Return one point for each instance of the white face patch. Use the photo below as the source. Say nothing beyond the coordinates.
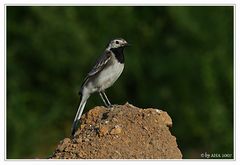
(117, 43)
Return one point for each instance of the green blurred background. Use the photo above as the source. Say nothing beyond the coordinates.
(181, 61)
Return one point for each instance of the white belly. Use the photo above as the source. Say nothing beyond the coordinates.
(109, 75)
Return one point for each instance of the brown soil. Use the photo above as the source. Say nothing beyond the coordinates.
(121, 132)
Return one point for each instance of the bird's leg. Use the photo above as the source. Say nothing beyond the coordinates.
(103, 99)
(105, 96)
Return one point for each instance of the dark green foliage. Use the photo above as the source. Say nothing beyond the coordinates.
(181, 61)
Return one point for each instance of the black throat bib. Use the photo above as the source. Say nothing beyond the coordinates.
(118, 54)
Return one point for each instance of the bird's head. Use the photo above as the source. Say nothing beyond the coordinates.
(117, 43)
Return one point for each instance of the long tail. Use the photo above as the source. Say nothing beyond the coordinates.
(78, 116)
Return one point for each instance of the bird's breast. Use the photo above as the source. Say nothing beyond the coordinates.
(110, 74)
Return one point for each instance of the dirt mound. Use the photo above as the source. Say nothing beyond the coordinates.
(121, 132)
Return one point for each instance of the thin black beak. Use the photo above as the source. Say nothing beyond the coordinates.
(127, 45)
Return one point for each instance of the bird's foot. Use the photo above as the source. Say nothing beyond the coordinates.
(109, 106)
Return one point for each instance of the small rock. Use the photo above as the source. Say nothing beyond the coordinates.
(93, 115)
(144, 127)
(116, 130)
(64, 144)
(129, 105)
(103, 130)
(115, 119)
(120, 113)
(79, 140)
(85, 140)
(166, 119)
(158, 110)
(82, 154)
(82, 126)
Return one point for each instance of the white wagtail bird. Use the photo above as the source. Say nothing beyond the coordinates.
(104, 73)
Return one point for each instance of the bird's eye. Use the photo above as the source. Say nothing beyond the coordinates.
(117, 42)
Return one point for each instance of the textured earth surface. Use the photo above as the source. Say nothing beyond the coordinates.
(121, 132)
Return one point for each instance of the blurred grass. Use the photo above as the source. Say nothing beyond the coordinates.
(181, 61)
